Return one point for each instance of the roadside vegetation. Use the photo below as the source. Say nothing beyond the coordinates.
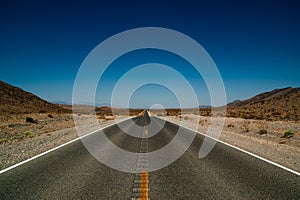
(288, 134)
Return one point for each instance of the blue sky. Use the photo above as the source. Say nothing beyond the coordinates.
(255, 44)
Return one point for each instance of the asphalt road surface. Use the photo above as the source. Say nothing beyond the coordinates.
(72, 173)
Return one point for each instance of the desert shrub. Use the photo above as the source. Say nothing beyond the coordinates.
(244, 126)
(258, 117)
(288, 134)
(18, 137)
(109, 118)
(50, 115)
(3, 126)
(261, 126)
(202, 121)
(230, 125)
(43, 111)
(30, 120)
(263, 131)
(101, 117)
(3, 140)
(29, 134)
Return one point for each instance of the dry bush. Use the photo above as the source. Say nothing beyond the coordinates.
(263, 131)
(3, 126)
(31, 120)
(186, 118)
(3, 140)
(29, 134)
(244, 126)
(109, 117)
(202, 122)
(230, 126)
(101, 117)
(261, 126)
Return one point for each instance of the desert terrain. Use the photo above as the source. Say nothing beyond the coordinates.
(30, 125)
(261, 137)
(267, 125)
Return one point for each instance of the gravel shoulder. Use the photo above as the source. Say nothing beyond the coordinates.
(20, 140)
(247, 134)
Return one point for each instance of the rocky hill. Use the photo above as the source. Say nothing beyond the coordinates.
(14, 100)
(279, 104)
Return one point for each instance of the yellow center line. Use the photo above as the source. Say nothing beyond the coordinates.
(145, 131)
(144, 186)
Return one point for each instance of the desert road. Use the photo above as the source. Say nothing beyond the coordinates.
(71, 172)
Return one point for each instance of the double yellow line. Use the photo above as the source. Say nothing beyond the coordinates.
(144, 177)
(144, 186)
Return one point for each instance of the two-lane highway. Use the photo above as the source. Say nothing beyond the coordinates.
(71, 172)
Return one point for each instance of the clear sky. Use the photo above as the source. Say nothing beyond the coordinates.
(255, 44)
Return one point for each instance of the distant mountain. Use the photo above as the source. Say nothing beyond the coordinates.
(278, 104)
(204, 106)
(88, 108)
(61, 102)
(104, 105)
(234, 103)
(14, 100)
(85, 103)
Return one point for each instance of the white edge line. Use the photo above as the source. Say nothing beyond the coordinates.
(55, 148)
(242, 150)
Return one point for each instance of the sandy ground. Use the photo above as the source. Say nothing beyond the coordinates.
(21, 140)
(246, 134)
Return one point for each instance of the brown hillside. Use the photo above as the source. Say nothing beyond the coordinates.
(279, 104)
(14, 100)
